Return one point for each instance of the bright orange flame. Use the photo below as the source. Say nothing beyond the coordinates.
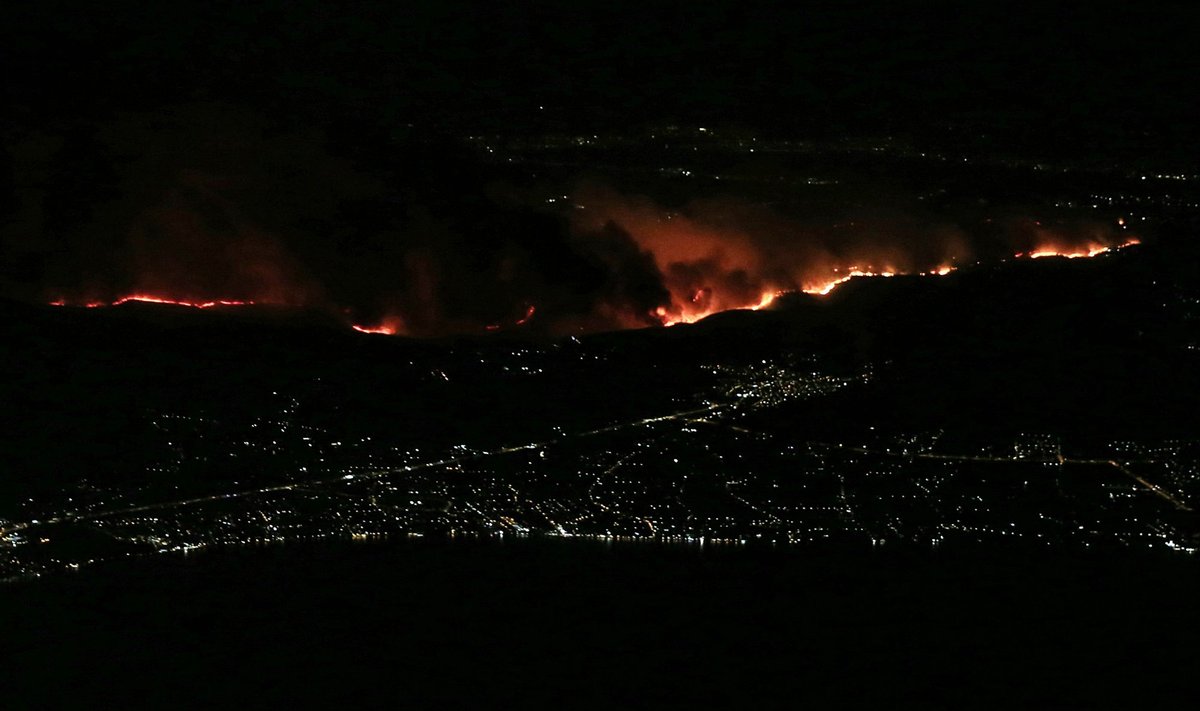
(821, 289)
(384, 330)
(389, 326)
(767, 299)
(689, 304)
(1091, 250)
(689, 316)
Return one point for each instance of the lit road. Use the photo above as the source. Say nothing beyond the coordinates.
(1157, 490)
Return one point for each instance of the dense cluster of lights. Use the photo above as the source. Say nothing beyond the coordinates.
(650, 478)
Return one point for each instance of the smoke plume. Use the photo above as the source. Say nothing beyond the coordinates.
(207, 204)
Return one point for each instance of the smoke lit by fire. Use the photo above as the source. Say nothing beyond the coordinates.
(721, 255)
(219, 210)
(727, 271)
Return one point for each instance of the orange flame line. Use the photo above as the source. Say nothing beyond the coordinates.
(146, 299)
(378, 330)
(1093, 250)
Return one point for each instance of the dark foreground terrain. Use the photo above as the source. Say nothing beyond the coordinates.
(579, 624)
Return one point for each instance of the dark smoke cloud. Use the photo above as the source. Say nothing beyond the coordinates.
(198, 201)
(211, 202)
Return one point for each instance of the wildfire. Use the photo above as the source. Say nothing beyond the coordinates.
(699, 306)
(149, 299)
(383, 330)
(695, 294)
(1091, 250)
(822, 289)
(530, 310)
(700, 296)
(767, 299)
(692, 309)
(692, 316)
(389, 326)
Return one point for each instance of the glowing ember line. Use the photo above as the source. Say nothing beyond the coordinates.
(826, 288)
(697, 304)
(529, 312)
(767, 298)
(1093, 250)
(388, 326)
(381, 330)
(145, 299)
(823, 289)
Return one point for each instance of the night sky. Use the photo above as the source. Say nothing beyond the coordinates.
(781, 64)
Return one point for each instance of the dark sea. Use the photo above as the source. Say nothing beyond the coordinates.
(570, 624)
